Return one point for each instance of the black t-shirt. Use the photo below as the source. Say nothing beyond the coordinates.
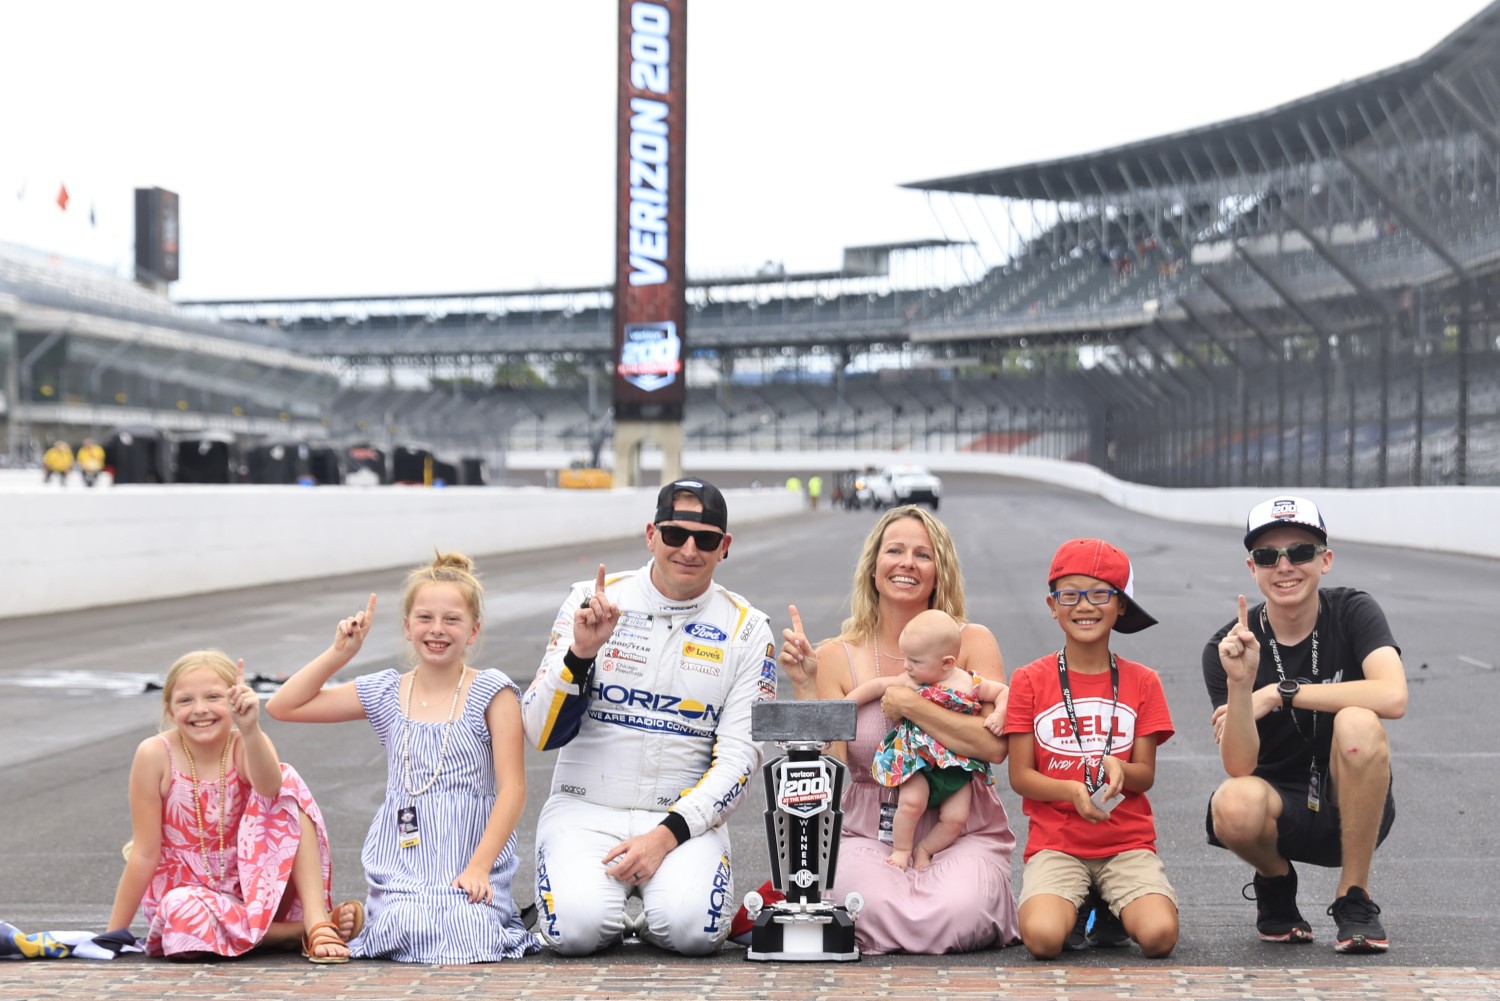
(1350, 627)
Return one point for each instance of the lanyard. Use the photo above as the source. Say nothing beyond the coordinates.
(1097, 780)
(1281, 674)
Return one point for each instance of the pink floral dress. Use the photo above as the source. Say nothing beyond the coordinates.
(190, 906)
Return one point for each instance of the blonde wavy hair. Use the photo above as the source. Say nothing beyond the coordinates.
(948, 585)
(215, 660)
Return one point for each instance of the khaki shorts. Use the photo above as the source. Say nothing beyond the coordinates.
(1120, 878)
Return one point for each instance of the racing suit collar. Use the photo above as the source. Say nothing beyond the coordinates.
(660, 604)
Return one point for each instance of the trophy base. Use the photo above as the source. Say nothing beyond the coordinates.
(784, 934)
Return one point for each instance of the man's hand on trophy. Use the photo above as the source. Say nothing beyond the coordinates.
(798, 661)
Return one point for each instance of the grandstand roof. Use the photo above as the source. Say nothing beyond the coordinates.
(908, 245)
(44, 291)
(766, 276)
(35, 279)
(1273, 137)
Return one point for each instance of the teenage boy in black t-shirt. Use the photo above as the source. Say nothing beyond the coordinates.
(1301, 687)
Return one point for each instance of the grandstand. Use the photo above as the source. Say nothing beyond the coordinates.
(84, 351)
(1301, 296)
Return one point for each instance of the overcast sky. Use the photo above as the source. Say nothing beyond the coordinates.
(339, 148)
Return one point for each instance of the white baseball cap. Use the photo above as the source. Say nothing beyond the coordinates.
(1283, 511)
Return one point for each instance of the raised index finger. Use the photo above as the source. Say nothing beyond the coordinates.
(599, 582)
(1244, 622)
(370, 610)
(796, 621)
(239, 671)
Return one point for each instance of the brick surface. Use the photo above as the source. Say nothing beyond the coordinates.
(287, 976)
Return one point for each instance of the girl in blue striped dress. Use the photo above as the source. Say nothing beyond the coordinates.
(441, 852)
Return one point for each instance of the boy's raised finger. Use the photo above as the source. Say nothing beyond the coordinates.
(1244, 621)
(599, 581)
(796, 621)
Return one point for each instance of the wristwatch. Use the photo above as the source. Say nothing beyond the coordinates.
(1288, 690)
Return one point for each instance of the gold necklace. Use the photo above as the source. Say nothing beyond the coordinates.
(406, 734)
(223, 864)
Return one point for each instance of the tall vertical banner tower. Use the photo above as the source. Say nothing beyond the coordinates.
(650, 307)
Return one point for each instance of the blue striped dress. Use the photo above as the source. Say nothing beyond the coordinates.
(413, 913)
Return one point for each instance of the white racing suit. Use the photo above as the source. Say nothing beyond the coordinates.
(662, 726)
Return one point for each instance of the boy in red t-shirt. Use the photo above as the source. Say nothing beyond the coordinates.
(1083, 727)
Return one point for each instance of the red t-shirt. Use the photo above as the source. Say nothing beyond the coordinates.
(1036, 707)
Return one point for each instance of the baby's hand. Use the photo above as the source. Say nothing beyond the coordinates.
(995, 722)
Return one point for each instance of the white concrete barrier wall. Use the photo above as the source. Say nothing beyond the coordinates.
(70, 549)
(74, 548)
(1444, 519)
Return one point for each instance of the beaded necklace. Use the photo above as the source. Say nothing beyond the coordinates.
(406, 734)
(875, 644)
(223, 864)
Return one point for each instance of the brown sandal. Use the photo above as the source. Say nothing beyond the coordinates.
(324, 933)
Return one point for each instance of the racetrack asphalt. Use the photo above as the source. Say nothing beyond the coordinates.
(72, 710)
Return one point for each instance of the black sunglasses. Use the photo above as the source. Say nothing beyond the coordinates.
(675, 535)
(1302, 552)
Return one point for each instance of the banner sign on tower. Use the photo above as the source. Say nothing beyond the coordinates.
(650, 309)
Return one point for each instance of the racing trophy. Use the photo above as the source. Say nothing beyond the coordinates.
(803, 821)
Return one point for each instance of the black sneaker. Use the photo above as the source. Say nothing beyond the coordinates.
(1107, 932)
(1276, 916)
(1358, 918)
(1078, 938)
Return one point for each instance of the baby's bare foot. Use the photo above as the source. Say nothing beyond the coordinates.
(349, 919)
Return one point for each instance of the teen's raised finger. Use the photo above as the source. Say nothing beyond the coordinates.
(1244, 621)
(796, 621)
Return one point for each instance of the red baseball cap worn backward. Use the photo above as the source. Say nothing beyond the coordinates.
(1098, 559)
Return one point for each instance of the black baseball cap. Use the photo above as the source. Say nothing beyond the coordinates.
(715, 512)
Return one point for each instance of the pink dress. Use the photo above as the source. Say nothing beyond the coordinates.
(189, 906)
(962, 902)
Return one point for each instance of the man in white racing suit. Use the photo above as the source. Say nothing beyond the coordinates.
(645, 691)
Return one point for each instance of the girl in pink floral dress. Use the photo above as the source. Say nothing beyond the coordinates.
(229, 848)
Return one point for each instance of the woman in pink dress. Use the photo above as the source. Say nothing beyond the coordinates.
(963, 900)
(229, 849)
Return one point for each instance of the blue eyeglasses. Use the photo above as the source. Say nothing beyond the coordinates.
(1095, 595)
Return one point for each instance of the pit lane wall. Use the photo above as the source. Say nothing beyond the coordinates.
(69, 549)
